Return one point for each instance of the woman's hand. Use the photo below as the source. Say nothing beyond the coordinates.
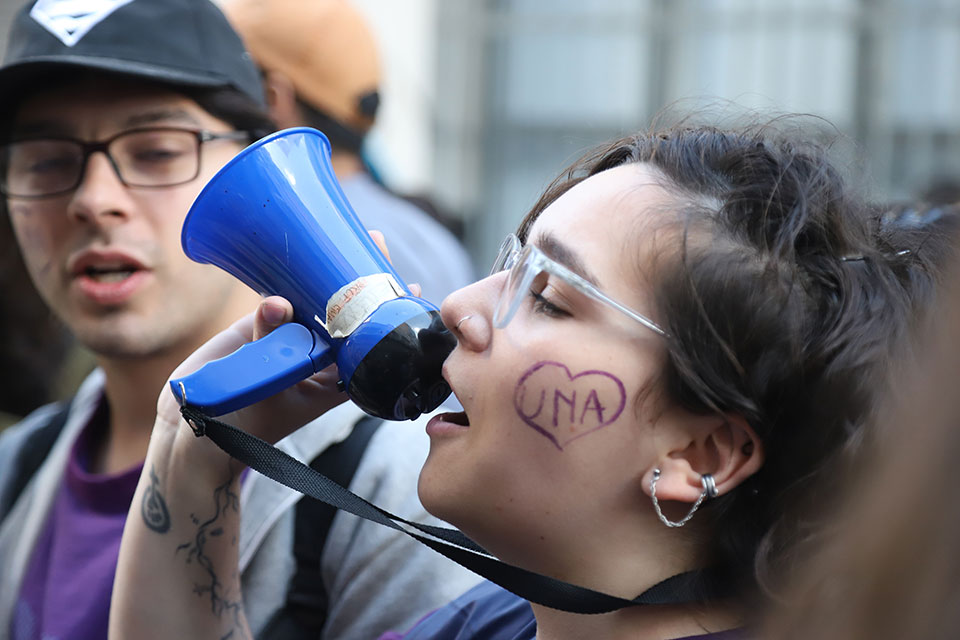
(278, 415)
(284, 412)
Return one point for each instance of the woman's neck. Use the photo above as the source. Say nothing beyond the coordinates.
(624, 557)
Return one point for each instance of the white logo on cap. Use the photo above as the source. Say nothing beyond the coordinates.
(70, 20)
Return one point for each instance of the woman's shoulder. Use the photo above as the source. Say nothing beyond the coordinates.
(485, 612)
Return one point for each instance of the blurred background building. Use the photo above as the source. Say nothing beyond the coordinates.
(524, 85)
(486, 100)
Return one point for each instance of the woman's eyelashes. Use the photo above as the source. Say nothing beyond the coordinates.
(544, 306)
(548, 306)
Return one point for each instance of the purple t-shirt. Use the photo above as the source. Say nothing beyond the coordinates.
(66, 590)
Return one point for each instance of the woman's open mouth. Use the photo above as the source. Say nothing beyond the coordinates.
(448, 423)
(459, 418)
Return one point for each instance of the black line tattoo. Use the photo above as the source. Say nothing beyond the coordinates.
(225, 501)
(153, 508)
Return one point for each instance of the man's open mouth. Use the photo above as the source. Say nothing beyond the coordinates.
(109, 274)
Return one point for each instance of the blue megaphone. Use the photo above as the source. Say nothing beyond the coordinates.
(276, 218)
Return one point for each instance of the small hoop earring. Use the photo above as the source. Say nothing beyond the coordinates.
(709, 491)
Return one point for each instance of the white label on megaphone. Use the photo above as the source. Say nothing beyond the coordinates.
(353, 302)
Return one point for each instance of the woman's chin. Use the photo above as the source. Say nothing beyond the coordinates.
(441, 496)
(435, 490)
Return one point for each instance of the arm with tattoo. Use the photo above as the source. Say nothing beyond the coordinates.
(178, 571)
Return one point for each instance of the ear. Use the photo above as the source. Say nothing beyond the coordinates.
(725, 447)
(281, 98)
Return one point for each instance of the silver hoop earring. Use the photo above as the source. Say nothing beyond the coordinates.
(709, 491)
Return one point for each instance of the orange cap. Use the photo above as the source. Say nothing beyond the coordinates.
(324, 47)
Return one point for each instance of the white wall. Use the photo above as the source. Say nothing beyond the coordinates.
(401, 143)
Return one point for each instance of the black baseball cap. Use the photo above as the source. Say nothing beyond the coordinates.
(177, 42)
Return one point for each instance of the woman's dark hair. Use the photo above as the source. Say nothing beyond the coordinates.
(928, 233)
(889, 566)
(781, 300)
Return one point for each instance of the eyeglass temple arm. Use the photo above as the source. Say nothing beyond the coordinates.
(592, 291)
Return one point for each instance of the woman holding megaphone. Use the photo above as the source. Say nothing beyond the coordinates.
(683, 333)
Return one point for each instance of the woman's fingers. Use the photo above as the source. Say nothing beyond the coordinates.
(272, 312)
(380, 241)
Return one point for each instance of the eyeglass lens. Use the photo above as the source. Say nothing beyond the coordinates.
(150, 158)
(519, 280)
(507, 256)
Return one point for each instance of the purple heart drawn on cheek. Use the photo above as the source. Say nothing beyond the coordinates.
(563, 407)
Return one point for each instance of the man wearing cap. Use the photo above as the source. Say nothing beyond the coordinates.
(321, 69)
(116, 113)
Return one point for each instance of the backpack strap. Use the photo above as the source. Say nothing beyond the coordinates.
(305, 611)
(31, 455)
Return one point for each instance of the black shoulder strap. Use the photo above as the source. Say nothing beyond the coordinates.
(305, 610)
(31, 456)
(699, 585)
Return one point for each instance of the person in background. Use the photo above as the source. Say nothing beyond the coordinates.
(320, 69)
(117, 114)
(888, 566)
(683, 334)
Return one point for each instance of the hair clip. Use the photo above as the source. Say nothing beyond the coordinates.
(861, 258)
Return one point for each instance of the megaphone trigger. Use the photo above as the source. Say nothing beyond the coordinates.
(255, 371)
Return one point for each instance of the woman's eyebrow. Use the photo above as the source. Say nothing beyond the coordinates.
(556, 250)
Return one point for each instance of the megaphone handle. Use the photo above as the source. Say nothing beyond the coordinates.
(251, 373)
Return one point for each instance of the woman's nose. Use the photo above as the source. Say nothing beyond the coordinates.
(468, 312)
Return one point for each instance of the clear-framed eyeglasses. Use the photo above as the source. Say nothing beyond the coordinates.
(525, 263)
(40, 167)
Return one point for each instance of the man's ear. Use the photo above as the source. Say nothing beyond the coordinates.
(725, 447)
(281, 98)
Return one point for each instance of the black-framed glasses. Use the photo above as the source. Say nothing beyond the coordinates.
(147, 157)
